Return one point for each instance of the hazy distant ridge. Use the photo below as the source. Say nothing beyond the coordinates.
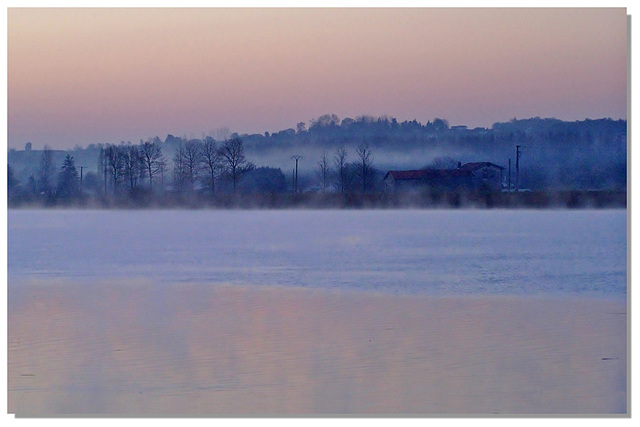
(589, 154)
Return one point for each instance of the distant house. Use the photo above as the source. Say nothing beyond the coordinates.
(416, 180)
(467, 176)
(485, 174)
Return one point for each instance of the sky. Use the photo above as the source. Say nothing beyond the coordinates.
(105, 75)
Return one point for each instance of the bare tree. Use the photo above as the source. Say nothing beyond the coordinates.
(234, 161)
(103, 168)
(132, 164)
(365, 171)
(211, 160)
(186, 164)
(114, 161)
(324, 170)
(152, 159)
(192, 161)
(178, 169)
(46, 173)
(340, 159)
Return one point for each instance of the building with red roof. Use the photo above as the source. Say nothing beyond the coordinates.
(468, 176)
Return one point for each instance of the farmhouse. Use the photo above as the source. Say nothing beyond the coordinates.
(466, 177)
(485, 174)
(415, 180)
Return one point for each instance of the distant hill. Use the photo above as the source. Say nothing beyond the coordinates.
(589, 154)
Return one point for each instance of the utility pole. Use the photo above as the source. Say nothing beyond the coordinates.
(518, 167)
(509, 177)
(295, 179)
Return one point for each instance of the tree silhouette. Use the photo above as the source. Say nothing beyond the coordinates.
(324, 170)
(193, 160)
(364, 165)
(68, 180)
(114, 161)
(234, 160)
(132, 164)
(211, 160)
(152, 160)
(46, 173)
(340, 159)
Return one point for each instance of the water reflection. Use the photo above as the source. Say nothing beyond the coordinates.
(139, 348)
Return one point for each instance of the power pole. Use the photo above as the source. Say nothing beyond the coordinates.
(509, 177)
(295, 179)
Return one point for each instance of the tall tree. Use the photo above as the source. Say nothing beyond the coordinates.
(132, 162)
(193, 160)
(324, 170)
(68, 180)
(102, 170)
(151, 159)
(179, 169)
(340, 160)
(234, 160)
(211, 161)
(46, 173)
(187, 163)
(114, 160)
(365, 171)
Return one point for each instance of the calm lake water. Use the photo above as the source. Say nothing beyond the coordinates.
(317, 312)
(402, 252)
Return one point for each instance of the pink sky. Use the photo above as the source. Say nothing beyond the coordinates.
(81, 76)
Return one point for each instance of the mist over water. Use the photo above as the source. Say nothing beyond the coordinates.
(209, 311)
(436, 252)
(257, 312)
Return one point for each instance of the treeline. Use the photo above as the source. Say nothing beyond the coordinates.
(556, 155)
(339, 159)
(199, 173)
(207, 174)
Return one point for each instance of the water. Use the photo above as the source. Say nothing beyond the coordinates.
(433, 252)
(244, 312)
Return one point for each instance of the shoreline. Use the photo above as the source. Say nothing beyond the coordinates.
(249, 350)
(428, 200)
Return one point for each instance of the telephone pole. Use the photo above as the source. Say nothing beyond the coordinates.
(295, 178)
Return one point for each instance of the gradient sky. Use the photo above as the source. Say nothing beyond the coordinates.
(82, 76)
